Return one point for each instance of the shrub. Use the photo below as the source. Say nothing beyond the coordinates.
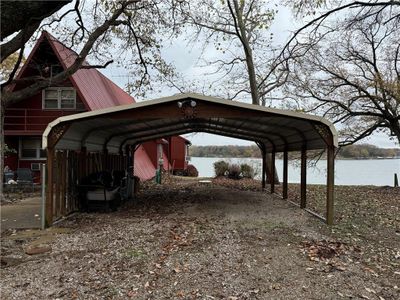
(234, 171)
(247, 171)
(192, 171)
(221, 168)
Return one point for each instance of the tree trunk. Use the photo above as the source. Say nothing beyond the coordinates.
(248, 53)
(17, 15)
(395, 127)
(269, 171)
(255, 96)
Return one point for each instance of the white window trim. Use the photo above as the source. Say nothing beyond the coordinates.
(29, 158)
(58, 89)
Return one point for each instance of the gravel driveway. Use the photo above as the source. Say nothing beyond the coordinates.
(195, 242)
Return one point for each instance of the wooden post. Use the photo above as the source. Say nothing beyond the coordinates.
(303, 180)
(285, 175)
(134, 187)
(57, 173)
(330, 185)
(264, 167)
(89, 163)
(169, 153)
(273, 172)
(83, 161)
(63, 189)
(119, 160)
(105, 166)
(43, 203)
(49, 192)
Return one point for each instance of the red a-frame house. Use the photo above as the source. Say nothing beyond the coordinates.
(85, 90)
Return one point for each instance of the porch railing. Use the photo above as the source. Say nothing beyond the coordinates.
(28, 119)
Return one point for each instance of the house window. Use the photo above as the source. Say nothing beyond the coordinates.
(59, 98)
(30, 148)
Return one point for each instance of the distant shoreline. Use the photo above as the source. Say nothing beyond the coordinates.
(358, 152)
(337, 158)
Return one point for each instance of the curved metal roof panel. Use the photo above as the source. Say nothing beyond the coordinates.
(112, 127)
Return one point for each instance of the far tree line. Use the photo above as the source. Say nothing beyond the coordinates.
(361, 151)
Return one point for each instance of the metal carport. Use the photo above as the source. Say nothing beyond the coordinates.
(113, 130)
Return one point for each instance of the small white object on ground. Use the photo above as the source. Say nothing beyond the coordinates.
(205, 181)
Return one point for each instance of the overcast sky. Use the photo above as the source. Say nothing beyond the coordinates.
(186, 62)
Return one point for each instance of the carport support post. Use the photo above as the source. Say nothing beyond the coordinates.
(303, 180)
(264, 166)
(43, 208)
(285, 175)
(133, 151)
(330, 185)
(49, 193)
(273, 171)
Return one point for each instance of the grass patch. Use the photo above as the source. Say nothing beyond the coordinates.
(135, 253)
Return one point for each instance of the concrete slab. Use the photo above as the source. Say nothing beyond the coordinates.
(23, 214)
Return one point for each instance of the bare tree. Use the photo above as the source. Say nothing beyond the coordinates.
(349, 72)
(239, 31)
(129, 27)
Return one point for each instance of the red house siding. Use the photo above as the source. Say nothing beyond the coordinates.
(28, 118)
(178, 153)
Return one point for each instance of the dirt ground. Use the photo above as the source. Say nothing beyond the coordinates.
(206, 241)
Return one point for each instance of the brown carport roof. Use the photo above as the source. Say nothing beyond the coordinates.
(112, 128)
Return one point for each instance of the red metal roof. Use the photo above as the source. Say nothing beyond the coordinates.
(96, 89)
(186, 141)
(143, 168)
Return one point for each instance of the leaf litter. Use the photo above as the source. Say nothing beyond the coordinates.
(184, 240)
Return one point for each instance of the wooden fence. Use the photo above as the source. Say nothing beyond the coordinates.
(68, 169)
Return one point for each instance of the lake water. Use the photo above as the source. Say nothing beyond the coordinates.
(347, 172)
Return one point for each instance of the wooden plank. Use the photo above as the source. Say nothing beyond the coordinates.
(303, 179)
(69, 190)
(49, 192)
(63, 183)
(89, 163)
(104, 159)
(75, 180)
(330, 184)
(57, 175)
(83, 160)
(285, 175)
